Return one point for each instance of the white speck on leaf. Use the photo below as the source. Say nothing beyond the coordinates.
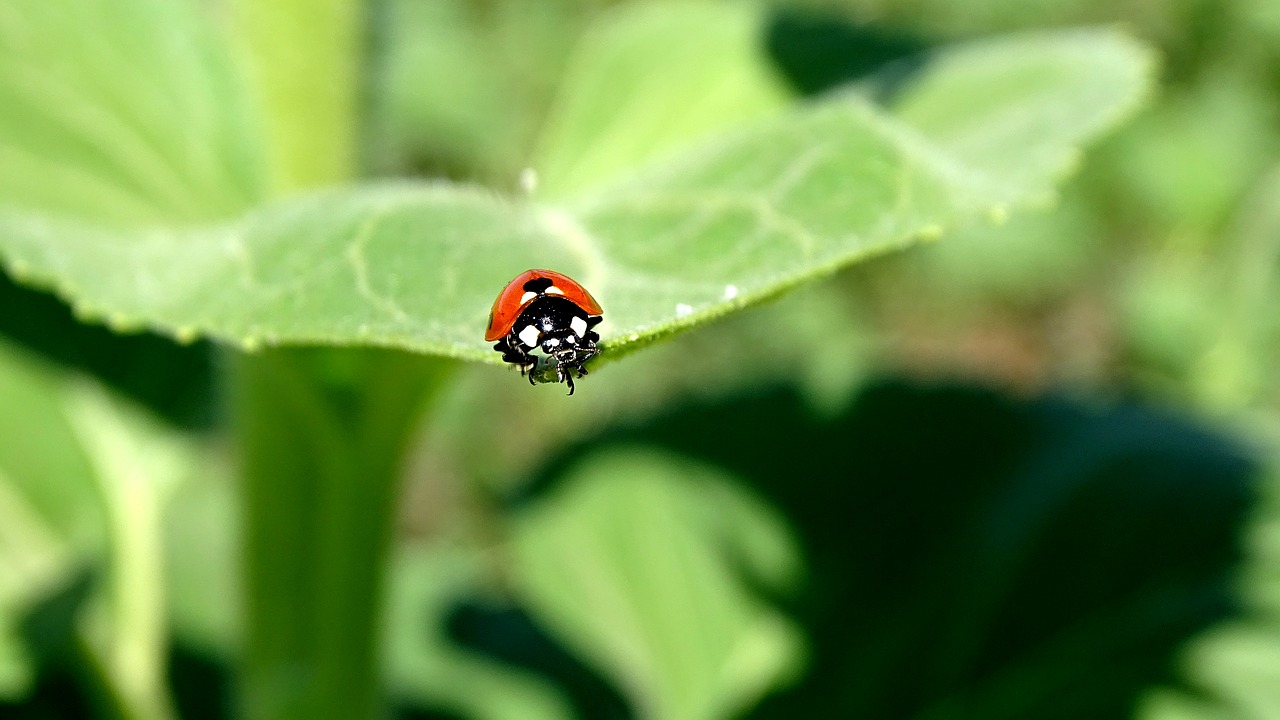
(683, 310)
(730, 292)
(528, 181)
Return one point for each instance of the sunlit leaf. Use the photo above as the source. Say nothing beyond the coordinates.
(429, 667)
(731, 220)
(649, 78)
(125, 112)
(83, 478)
(631, 563)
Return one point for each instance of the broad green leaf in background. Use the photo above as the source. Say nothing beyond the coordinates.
(650, 78)
(630, 562)
(302, 76)
(462, 93)
(1188, 161)
(1237, 665)
(202, 529)
(735, 219)
(83, 478)
(137, 464)
(122, 112)
(424, 664)
(1213, 334)
(51, 515)
(992, 108)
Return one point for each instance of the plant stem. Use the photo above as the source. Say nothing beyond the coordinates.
(321, 458)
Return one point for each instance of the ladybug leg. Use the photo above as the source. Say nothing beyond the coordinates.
(514, 353)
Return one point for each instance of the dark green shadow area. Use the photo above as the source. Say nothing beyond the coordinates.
(817, 52)
(64, 686)
(509, 634)
(174, 381)
(969, 555)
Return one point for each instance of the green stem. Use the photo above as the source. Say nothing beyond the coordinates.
(321, 458)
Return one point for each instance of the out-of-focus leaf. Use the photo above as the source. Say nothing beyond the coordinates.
(732, 221)
(1032, 256)
(1235, 669)
(968, 554)
(462, 93)
(302, 63)
(653, 77)
(136, 463)
(1188, 161)
(82, 480)
(125, 112)
(425, 666)
(991, 107)
(629, 561)
(201, 529)
(51, 516)
(1209, 333)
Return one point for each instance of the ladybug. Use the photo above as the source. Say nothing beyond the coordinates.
(549, 310)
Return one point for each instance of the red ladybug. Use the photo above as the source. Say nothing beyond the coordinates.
(549, 310)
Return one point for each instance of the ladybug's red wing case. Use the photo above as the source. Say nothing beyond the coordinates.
(515, 297)
(548, 311)
(506, 308)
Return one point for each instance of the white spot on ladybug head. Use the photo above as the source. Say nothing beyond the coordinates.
(551, 342)
(578, 325)
(527, 297)
(553, 290)
(683, 310)
(530, 335)
(730, 292)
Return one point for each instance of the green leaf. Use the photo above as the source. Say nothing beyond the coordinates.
(122, 112)
(83, 478)
(1011, 113)
(733, 220)
(650, 78)
(302, 59)
(627, 561)
(137, 463)
(465, 91)
(425, 664)
(51, 519)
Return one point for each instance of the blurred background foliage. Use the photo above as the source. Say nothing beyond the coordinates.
(1029, 471)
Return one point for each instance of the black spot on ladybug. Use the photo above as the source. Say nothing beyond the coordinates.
(538, 285)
